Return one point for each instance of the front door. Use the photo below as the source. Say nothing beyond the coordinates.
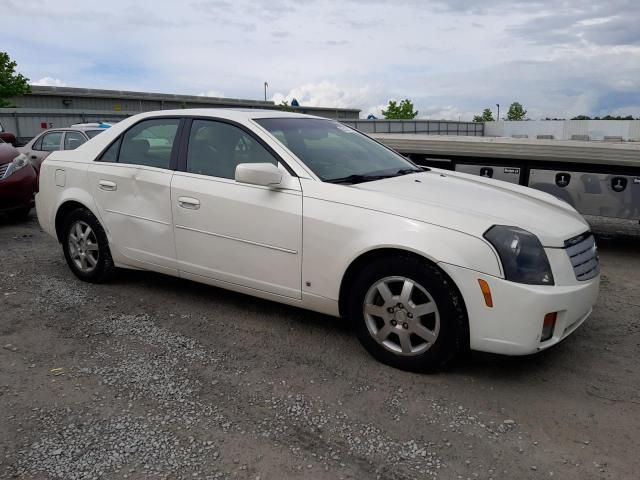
(131, 185)
(240, 234)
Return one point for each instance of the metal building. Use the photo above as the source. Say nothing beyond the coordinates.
(51, 107)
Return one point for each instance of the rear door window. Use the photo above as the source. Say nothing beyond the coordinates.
(50, 142)
(111, 153)
(149, 143)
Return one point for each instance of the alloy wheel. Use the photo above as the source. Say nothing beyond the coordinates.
(401, 315)
(83, 246)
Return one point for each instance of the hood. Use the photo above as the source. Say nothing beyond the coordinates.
(7, 153)
(473, 204)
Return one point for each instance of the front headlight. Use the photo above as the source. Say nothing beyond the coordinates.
(17, 163)
(522, 255)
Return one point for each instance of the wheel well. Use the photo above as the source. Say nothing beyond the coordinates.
(358, 264)
(62, 213)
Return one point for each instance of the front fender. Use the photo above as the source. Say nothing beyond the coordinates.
(333, 241)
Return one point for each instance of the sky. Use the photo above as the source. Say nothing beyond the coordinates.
(452, 58)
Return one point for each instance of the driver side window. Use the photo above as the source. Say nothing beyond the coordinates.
(217, 148)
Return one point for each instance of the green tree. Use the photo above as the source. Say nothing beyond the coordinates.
(486, 116)
(404, 111)
(11, 83)
(516, 112)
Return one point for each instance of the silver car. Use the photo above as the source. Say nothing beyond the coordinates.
(55, 139)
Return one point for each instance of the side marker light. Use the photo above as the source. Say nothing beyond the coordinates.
(486, 293)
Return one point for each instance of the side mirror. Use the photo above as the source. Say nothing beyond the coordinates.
(265, 174)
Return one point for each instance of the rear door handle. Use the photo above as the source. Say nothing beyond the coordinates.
(107, 185)
(188, 202)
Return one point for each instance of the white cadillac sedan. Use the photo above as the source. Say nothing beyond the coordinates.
(305, 211)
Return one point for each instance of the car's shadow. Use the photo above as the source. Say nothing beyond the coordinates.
(203, 294)
(510, 368)
(6, 220)
(474, 364)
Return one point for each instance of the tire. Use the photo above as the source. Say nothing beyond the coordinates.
(428, 313)
(19, 215)
(89, 259)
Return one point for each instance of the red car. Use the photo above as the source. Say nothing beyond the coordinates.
(18, 182)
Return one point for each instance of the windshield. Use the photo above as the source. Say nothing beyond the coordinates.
(335, 152)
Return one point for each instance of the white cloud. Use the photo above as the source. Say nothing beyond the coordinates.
(448, 112)
(49, 82)
(327, 94)
(376, 111)
(452, 58)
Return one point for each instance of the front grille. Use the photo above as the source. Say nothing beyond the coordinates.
(583, 254)
(3, 170)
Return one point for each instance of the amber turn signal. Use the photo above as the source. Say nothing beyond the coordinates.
(486, 293)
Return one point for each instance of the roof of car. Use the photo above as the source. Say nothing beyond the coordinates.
(232, 113)
(72, 129)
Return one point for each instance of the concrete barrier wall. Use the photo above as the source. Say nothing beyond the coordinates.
(425, 127)
(29, 122)
(626, 130)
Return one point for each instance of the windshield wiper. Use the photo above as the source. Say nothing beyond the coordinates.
(408, 171)
(358, 178)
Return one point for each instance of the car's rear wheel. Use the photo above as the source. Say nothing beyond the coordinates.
(86, 247)
(408, 314)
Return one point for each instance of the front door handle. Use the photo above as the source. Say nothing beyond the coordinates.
(107, 185)
(188, 202)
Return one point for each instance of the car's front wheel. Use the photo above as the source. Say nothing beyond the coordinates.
(408, 314)
(86, 247)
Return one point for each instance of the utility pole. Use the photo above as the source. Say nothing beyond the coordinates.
(265, 91)
(498, 105)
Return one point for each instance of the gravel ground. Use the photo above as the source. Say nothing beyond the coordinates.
(155, 377)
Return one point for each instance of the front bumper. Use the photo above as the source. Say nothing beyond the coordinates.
(513, 326)
(17, 190)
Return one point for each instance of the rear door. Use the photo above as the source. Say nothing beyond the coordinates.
(131, 187)
(240, 234)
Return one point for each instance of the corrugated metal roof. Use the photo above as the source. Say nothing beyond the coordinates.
(130, 95)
